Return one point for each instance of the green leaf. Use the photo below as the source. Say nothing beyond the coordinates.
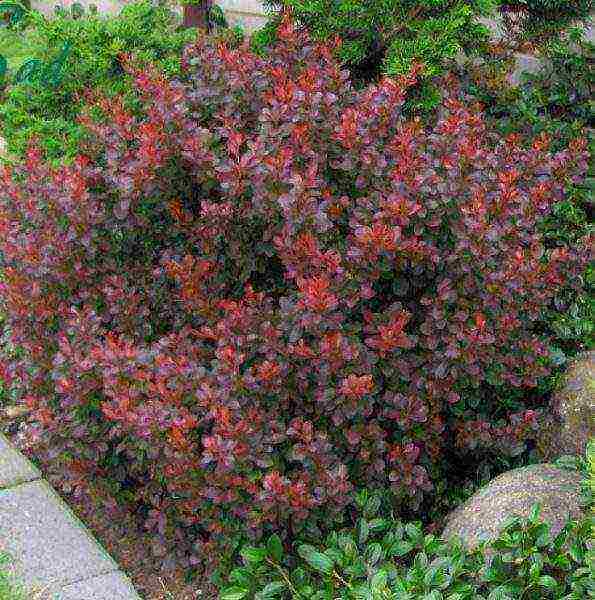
(241, 576)
(234, 593)
(576, 553)
(373, 554)
(535, 571)
(420, 561)
(372, 506)
(317, 560)
(547, 581)
(379, 580)
(335, 555)
(363, 531)
(347, 544)
(400, 548)
(491, 574)
(543, 540)
(534, 514)
(436, 577)
(500, 593)
(377, 524)
(414, 532)
(275, 547)
(299, 576)
(272, 589)
(253, 556)
(361, 498)
(511, 522)
(561, 562)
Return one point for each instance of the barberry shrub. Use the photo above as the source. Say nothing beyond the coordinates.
(259, 289)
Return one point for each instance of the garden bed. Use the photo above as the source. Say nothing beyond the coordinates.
(263, 318)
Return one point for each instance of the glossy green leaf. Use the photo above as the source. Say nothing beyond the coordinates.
(253, 555)
(234, 593)
(272, 590)
(548, 581)
(317, 560)
(400, 548)
(275, 548)
(379, 580)
(373, 553)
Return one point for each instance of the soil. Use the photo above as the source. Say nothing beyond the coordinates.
(130, 547)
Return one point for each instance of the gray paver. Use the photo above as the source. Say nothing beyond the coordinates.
(14, 467)
(113, 586)
(50, 546)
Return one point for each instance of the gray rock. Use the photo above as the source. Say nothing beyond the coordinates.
(495, 26)
(514, 493)
(525, 63)
(573, 408)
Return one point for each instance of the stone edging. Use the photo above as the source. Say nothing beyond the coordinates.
(53, 553)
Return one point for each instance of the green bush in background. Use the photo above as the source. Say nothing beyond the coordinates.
(18, 45)
(388, 36)
(149, 32)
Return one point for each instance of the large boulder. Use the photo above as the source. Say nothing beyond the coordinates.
(514, 493)
(573, 411)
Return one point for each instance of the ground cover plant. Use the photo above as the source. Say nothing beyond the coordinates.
(50, 112)
(9, 589)
(384, 558)
(257, 289)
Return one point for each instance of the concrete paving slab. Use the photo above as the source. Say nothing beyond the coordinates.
(113, 586)
(50, 546)
(14, 467)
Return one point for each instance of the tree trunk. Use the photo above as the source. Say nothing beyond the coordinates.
(196, 15)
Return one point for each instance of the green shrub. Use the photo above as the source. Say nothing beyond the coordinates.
(381, 558)
(557, 100)
(50, 113)
(388, 36)
(9, 588)
(17, 46)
